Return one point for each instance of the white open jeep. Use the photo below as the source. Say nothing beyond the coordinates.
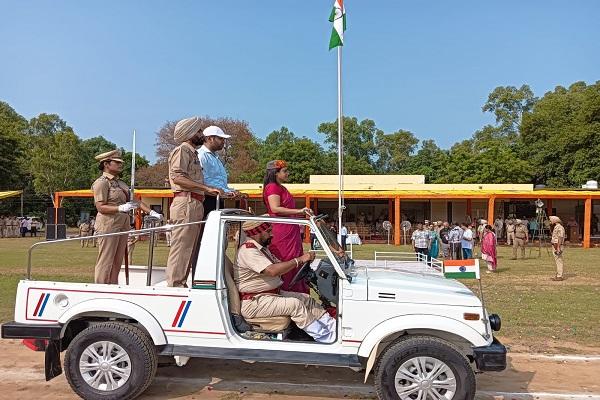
(423, 336)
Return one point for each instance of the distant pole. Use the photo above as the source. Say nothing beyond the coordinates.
(22, 204)
(340, 145)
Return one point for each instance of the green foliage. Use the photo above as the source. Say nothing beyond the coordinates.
(359, 138)
(561, 135)
(430, 161)
(508, 105)
(394, 151)
(12, 127)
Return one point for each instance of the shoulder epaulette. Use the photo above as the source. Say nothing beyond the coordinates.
(250, 245)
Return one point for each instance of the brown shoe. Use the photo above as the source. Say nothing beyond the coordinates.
(557, 278)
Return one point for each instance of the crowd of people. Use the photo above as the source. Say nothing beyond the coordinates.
(12, 226)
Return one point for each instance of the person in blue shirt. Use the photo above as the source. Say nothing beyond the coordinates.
(215, 174)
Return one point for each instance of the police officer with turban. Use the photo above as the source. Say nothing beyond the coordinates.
(187, 184)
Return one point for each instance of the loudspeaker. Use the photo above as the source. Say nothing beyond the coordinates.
(51, 213)
(50, 230)
(50, 216)
(61, 230)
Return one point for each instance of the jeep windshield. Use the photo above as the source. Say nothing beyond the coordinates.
(331, 241)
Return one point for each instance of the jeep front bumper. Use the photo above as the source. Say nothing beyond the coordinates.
(491, 357)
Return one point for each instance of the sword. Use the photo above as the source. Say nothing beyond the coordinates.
(131, 198)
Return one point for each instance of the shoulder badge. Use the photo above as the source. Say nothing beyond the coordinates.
(250, 245)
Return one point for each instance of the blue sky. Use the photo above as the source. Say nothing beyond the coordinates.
(107, 67)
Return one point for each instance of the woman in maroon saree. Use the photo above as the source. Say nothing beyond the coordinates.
(287, 242)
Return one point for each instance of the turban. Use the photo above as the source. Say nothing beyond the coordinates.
(276, 164)
(483, 222)
(113, 155)
(252, 228)
(186, 129)
(554, 219)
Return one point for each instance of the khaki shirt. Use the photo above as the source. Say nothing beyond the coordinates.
(251, 262)
(184, 162)
(110, 190)
(84, 227)
(510, 227)
(558, 235)
(520, 231)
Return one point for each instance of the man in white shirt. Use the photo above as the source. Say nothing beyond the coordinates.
(343, 236)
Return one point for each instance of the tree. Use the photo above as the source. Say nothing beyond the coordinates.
(12, 128)
(487, 158)
(561, 135)
(47, 125)
(91, 148)
(237, 155)
(430, 161)
(153, 176)
(359, 138)
(394, 151)
(508, 105)
(56, 163)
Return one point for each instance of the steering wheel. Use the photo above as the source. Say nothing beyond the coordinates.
(302, 273)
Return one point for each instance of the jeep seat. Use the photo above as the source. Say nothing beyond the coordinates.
(264, 325)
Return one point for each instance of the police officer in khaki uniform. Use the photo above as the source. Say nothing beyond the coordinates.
(558, 240)
(187, 183)
(521, 239)
(111, 197)
(3, 222)
(510, 231)
(84, 232)
(257, 275)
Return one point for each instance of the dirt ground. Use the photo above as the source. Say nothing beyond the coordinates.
(527, 377)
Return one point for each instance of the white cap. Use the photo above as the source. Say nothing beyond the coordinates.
(215, 131)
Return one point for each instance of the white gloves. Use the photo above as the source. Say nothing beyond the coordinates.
(156, 215)
(125, 208)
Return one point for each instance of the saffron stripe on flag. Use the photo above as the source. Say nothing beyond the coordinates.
(459, 263)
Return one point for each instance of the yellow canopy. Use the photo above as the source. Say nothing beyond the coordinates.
(10, 193)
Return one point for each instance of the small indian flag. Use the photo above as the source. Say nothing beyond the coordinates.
(461, 269)
(338, 17)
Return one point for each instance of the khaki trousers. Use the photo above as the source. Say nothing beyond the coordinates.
(510, 238)
(183, 210)
(516, 244)
(111, 251)
(301, 308)
(560, 266)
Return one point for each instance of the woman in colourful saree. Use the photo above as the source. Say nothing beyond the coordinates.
(286, 243)
(488, 248)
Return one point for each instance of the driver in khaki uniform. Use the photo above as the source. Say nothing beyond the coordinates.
(258, 277)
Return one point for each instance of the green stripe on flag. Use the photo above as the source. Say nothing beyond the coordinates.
(460, 275)
(335, 40)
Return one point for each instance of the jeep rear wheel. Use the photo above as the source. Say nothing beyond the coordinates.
(423, 368)
(110, 360)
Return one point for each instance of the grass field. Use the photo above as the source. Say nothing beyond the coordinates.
(535, 311)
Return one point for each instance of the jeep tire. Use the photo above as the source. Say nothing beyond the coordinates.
(110, 360)
(417, 365)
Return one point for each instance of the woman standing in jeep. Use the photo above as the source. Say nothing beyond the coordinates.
(286, 243)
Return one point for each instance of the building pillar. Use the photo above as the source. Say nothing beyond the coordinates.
(548, 207)
(391, 211)
(587, 223)
(397, 221)
(470, 209)
(138, 214)
(306, 228)
(316, 209)
(490, 213)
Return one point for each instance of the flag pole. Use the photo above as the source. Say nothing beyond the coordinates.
(340, 144)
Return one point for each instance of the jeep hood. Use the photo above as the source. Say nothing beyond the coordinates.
(407, 287)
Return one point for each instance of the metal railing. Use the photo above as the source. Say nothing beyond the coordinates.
(149, 231)
(409, 262)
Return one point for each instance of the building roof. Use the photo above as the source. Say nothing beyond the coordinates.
(10, 193)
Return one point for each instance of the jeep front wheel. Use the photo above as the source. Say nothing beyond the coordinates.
(423, 368)
(110, 360)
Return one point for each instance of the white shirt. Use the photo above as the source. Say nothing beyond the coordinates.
(344, 231)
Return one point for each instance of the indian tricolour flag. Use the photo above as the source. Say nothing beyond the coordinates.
(338, 17)
(461, 269)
